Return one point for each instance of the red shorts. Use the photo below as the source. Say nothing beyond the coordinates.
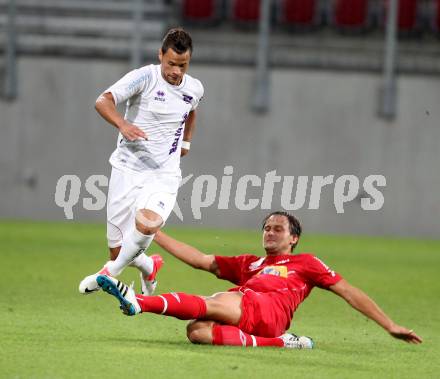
(263, 314)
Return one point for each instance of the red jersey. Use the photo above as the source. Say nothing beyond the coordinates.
(290, 278)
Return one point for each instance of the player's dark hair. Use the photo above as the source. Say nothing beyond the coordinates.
(177, 39)
(294, 224)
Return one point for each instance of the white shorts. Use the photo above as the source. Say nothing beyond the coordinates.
(128, 193)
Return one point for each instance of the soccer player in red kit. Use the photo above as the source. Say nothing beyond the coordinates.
(269, 289)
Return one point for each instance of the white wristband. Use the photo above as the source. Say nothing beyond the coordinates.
(186, 145)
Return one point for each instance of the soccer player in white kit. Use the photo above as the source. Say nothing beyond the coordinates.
(161, 102)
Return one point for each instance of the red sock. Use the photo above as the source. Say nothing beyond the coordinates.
(233, 336)
(176, 304)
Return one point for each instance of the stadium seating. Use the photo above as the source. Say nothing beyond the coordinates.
(407, 15)
(104, 28)
(245, 11)
(297, 13)
(200, 11)
(437, 16)
(351, 14)
(84, 27)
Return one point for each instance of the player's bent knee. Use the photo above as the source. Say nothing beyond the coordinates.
(148, 222)
(224, 307)
(199, 332)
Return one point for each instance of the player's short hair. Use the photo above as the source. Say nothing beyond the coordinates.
(177, 39)
(295, 227)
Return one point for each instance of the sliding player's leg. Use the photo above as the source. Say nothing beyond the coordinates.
(224, 307)
(218, 318)
(261, 323)
(212, 333)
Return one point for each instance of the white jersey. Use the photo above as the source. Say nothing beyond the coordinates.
(160, 110)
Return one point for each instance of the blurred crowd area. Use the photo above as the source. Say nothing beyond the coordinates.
(335, 34)
(419, 19)
(415, 17)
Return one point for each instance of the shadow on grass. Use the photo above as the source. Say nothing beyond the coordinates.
(266, 355)
(144, 341)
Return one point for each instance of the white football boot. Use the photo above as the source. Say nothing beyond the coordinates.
(122, 292)
(292, 341)
(89, 284)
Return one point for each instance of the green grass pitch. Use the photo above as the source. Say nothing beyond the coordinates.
(49, 330)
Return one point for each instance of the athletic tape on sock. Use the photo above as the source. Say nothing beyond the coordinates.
(145, 221)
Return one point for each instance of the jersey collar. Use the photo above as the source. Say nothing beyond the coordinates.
(276, 258)
(159, 75)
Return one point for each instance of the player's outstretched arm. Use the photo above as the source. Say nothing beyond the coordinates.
(186, 253)
(360, 301)
(105, 106)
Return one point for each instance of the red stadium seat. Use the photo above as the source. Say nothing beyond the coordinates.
(351, 14)
(246, 10)
(199, 10)
(437, 16)
(297, 12)
(407, 15)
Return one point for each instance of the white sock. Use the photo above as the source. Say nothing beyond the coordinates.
(144, 264)
(132, 244)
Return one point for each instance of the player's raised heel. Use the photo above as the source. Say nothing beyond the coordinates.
(292, 341)
(122, 292)
(148, 285)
